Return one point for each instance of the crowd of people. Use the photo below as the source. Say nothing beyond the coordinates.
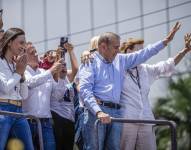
(111, 81)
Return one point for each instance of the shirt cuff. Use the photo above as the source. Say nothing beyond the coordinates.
(96, 109)
(48, 74)
(171, 61)
(172, 64)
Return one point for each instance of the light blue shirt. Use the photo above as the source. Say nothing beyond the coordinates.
(104, 80)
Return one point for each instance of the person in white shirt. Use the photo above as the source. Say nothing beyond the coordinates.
(41, 85)
(62, 109)
(134, 96)
(13, 88)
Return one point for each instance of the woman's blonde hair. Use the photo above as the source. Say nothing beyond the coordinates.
(94, 42)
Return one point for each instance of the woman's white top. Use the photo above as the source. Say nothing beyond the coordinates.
(41, 85)
(10, 86)
(134, 100)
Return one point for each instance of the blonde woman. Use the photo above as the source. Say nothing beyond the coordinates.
(88, 54)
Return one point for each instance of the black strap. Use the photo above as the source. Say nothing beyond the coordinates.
(12, 70)
(136, 79)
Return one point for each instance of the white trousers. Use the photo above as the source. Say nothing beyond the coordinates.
(138, 137)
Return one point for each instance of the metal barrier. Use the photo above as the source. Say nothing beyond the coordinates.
(21, 115)
(171, 124)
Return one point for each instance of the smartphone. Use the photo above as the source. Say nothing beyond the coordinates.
(63, 40)
(1, 12)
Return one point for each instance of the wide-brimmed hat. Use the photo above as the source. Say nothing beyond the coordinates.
(8, 35)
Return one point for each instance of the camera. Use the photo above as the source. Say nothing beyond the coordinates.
(1, 12)
(63, 40)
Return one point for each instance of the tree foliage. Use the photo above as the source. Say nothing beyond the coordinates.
(177, 107)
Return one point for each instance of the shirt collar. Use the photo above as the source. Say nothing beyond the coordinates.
(102, 59)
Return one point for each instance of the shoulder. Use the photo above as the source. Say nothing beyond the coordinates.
(41, 70)
(2, 62)
(91, 65)
(143, 67)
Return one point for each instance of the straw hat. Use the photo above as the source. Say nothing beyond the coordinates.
(8, 35)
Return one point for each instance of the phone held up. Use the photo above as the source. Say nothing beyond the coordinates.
(63, 40)
(1, 12)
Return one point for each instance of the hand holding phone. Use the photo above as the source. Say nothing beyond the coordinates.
(1, 12)
(63, 40)
(1, 20)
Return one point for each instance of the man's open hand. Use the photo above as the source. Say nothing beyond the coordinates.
(171, 34)
(187, 41)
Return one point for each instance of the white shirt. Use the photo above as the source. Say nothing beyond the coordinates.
(10, 86)
(134, 100)
(58, 105)
(40, 83)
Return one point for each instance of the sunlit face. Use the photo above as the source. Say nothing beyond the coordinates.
(109, 52)
(51, 56)
(64, 69)
(136, 48)
(18, 45)
(32, 55)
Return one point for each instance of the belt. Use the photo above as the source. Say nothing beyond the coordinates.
(13, 102)
(108, 104)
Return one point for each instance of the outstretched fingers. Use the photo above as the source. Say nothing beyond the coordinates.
(187, 40)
